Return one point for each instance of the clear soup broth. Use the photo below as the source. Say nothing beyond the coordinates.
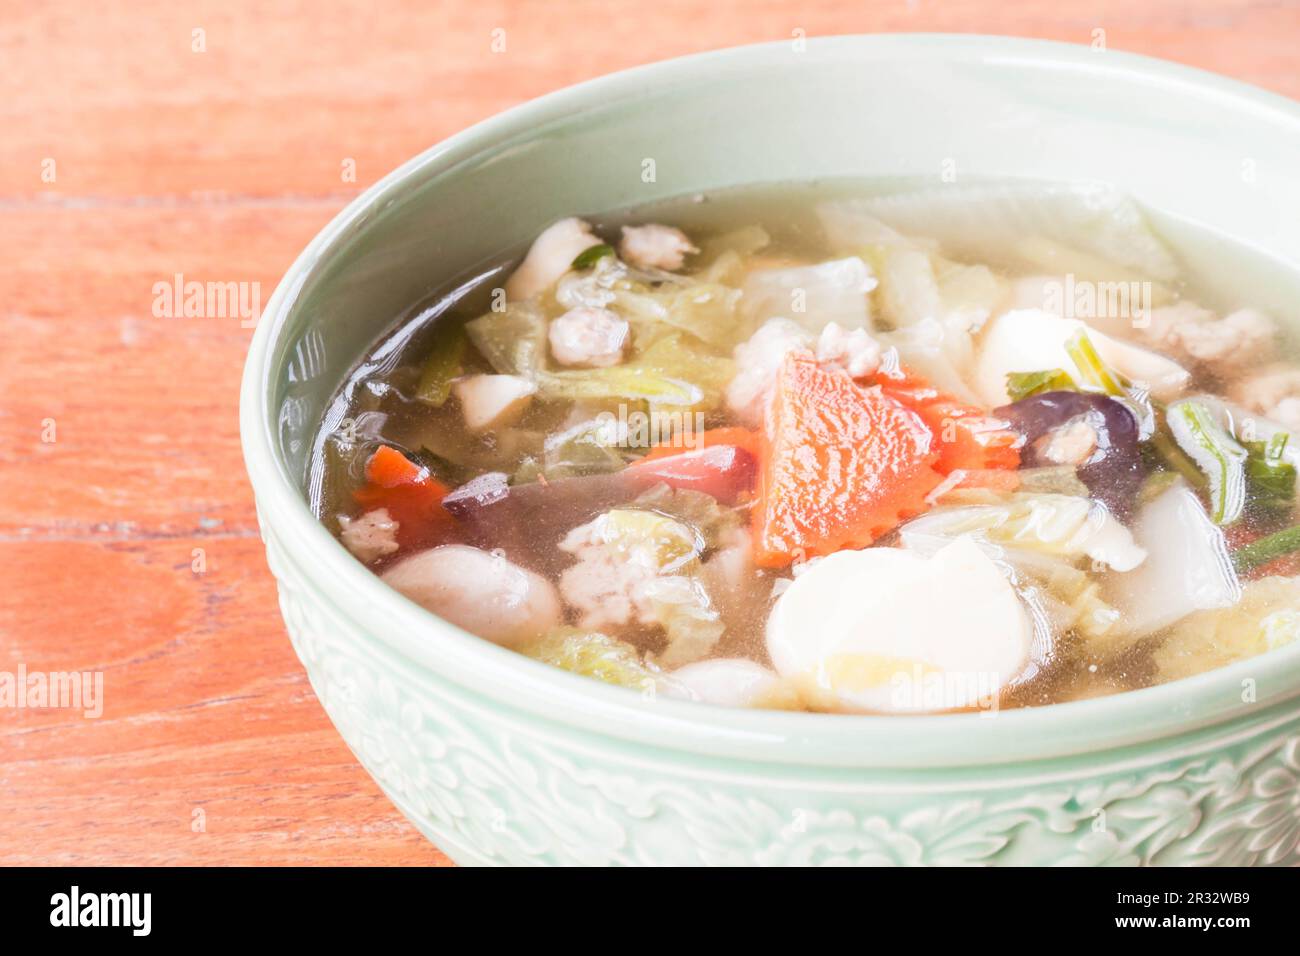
(868, 447)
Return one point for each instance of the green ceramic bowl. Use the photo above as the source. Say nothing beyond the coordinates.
(498, 759)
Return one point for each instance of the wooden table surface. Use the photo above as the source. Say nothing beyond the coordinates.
(149, 138)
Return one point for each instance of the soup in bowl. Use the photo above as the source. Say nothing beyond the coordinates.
(902, 479)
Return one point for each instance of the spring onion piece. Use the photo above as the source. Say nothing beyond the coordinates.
(1092, 370)
(445, 361)
(1267, 549)
(1216, 454)
(1025, 384)
(1167, 454)
(590, 256)
(1270, 476)
(1094, 373)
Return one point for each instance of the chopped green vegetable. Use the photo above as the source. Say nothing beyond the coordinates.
(695, 508)
(727, 269)
(1024, 384)
(1215, 453)
(629, 381)
(655, 304)
(530, 468)
(1053, 480)
(681, 605)
(671, 374)
(745, 241)
(591, 255)
(513, 341)
(1270, 479)
(588, 448)
(596, 655)
(1078, 593)
(1061, 525)
(811, 296)
(445, 361)
(1265, 618)
(1264, 550)
(973, 293)
(650, 539)
(1093, 371)
(662, 555)
(702, 309)
(1163, 453)
(909, 291)
(725, 258)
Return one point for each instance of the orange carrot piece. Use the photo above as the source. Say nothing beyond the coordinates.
(389, 468)
(842, 464)
(412, 496)
(966, 437)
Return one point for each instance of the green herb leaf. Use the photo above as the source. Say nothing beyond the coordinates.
(1024, 384)
(590, 256)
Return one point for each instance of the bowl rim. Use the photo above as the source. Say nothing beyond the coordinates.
(538, 692)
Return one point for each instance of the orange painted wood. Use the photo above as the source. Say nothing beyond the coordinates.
(220, 164)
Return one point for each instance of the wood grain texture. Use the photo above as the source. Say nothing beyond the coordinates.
(119, 451)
